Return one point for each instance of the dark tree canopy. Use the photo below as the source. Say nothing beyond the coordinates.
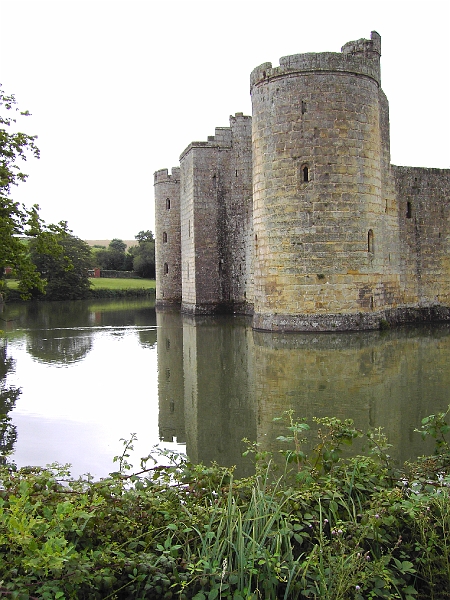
(144, 254)
(65, 267)
(118, 245)
(144, 236)
(113, 258)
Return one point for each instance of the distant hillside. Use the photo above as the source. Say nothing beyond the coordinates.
(105, 243)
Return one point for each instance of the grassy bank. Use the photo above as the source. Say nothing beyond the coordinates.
(103, 283)
(101, 287)
(324, 527)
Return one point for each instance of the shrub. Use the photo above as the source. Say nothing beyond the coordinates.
(324, 527)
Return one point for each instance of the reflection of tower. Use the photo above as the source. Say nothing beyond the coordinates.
(325, 376)
(206, 388)
(378, 381)
(219, 390)
(170, 377)
(226, 382)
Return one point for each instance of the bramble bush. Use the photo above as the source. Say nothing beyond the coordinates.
(323, 527)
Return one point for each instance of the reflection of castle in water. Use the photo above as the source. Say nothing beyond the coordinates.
(219, 382)
(204, 383)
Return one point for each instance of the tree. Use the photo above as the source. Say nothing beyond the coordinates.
(118, 245)
(114, 258)
(144, 254)
(144, 236)
(16, 221)
(63, 260)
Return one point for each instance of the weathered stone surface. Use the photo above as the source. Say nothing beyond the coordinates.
(296, 215)
(167, 237)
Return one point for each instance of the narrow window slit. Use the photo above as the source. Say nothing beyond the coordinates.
(305, 172)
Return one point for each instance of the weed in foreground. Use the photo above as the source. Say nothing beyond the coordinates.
(324, 526)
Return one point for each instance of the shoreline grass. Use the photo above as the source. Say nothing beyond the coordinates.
(113, 283)
(101, 287)
(107, 283)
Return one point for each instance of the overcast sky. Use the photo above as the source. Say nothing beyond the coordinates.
(118, 88)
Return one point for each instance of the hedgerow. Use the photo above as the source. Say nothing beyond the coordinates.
(323, 526)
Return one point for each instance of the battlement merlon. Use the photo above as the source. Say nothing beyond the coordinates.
(241, 119)
(162, 175)
(222, 138)
(360, 58)
(369, 48)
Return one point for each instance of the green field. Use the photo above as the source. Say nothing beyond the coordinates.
(106, 283)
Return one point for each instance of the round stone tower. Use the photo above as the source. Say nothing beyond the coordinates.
(167, 237)
(318, 190)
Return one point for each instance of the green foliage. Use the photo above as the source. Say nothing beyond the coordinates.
(144, 254)
(14, 146)
(173, 529)
(19, 224)
(117, 245)
(139, 258)
(62, 260)
(437, 427)
(114, 257)
(15, 220)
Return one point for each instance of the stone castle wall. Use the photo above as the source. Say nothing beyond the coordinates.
(216, 216)
(317, 190)
(424, 222)
(296, 215)
(205, 174)
(168, 237)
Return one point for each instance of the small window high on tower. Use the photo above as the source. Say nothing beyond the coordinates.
(370, 247)
(305, 173)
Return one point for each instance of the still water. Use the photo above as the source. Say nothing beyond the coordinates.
(94, 372)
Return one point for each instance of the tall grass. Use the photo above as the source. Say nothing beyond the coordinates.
(247, 546)
(325, 528)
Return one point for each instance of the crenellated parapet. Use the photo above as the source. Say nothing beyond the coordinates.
(360, 58)
(163, 175)
(221, 139)
(368, 48)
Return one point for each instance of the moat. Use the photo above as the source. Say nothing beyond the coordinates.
(93, 372)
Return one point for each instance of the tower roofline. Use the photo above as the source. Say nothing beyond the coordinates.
(361, 57)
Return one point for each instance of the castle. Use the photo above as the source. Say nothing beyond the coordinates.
(296, 216)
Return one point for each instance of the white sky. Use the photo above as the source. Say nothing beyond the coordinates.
(118, 88)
